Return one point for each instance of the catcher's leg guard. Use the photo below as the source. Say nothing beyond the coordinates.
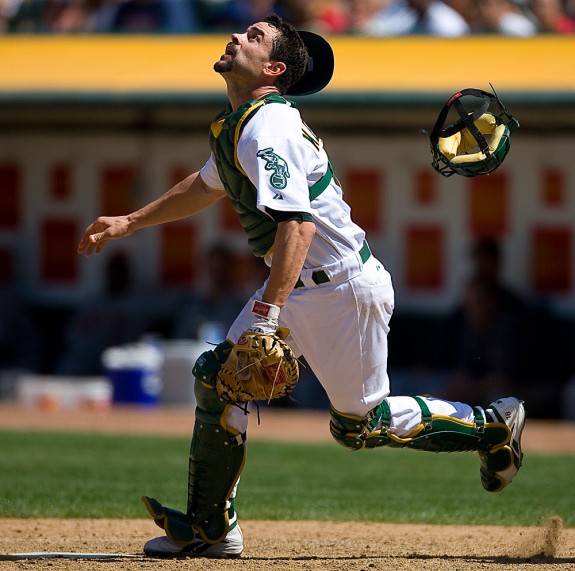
(217, 456)
(217, 452)
(435, 433)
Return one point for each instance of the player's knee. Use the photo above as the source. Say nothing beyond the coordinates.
(210, 362)
(205, 369)
(346, 429)
(356, 432)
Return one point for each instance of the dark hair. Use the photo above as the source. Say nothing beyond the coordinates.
(287, 47)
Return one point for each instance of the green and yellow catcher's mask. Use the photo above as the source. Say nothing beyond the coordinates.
(478, 141)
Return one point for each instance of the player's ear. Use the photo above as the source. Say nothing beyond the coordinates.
(275, 68)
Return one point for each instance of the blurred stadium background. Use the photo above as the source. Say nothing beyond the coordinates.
(101, 120)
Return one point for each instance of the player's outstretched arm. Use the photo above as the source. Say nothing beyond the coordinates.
(182, 200)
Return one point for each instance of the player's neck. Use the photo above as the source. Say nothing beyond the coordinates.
(238, 97)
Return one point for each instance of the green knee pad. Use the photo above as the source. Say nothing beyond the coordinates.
(209, 363)
(436, 433)
(354, 432)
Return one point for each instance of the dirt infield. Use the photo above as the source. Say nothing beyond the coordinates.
(282, 546)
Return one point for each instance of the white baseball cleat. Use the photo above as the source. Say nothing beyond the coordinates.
(230, 548)
(500, 464)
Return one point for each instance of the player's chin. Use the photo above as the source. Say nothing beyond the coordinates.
(224, 64)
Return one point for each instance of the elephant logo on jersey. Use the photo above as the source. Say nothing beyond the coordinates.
(276, 164)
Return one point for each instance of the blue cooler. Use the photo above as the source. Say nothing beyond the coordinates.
(134, 372)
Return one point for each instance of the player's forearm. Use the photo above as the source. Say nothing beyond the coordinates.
(182, 200)
(291, 245)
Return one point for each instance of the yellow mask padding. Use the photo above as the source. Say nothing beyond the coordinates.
(455, 147)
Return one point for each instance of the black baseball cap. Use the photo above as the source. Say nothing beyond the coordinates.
(319, 68)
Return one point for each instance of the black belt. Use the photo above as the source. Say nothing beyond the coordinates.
(320, 277)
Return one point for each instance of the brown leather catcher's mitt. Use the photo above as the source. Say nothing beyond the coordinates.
(260, 367)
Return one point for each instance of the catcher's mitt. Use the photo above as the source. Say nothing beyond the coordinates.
(259, 367)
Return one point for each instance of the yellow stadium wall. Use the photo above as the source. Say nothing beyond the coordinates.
(183, 65)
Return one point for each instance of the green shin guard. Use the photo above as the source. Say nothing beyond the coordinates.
(436, 433)
(216, 460)
(217, 452)
(217, 456)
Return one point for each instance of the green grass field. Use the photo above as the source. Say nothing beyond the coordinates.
(96, 476)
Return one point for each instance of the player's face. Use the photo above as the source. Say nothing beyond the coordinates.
(248, 52)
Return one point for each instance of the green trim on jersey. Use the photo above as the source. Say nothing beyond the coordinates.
(282, 216)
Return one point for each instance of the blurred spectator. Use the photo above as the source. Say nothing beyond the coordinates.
(240, 14)
(120, 315)
(489, 345)
(469, 11)
(499, 343)
(70, 16)
(369, 17)
(99, 16)
(166, 16)
(21, 347)
(235, 15)
(140, 17)
(320, 16)
(504, 17)
(486, 261)
(410, 17)
(217, 302)
(364, 14)
(551, 18)
(488, 342)
(8, 9)
(25, 16)
(209, 12)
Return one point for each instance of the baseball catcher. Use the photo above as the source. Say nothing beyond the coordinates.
(325, 285)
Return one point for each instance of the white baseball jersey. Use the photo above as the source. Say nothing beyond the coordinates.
(282, 163)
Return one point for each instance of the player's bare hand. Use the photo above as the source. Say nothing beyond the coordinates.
(103, 229)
